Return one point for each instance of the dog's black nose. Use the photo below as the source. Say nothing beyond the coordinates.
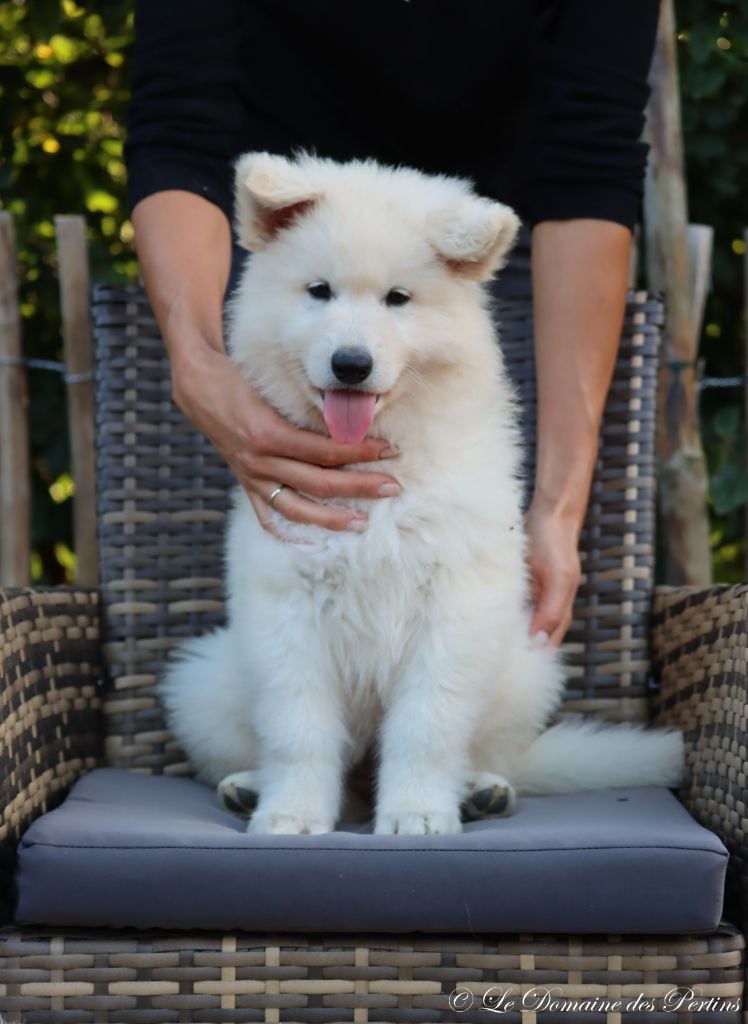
(351, 365)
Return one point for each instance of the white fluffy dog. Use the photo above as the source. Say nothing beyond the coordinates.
(361, 310)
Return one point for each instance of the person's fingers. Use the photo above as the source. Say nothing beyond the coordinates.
(262, 511)
(277, 435)
(549, 627)
(552, 616)
(299, 509)
(547, 620)
(327, 483)
(557, 638)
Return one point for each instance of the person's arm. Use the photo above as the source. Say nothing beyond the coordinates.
(186, 106)
(580, 270)
(183, 135)
(183, 245)
(584, 181)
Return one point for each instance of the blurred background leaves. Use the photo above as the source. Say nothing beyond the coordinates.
(713, 60)
(64, 70)
(63, 95)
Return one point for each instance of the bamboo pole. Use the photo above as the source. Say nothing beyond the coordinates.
(76, 331)
(15, 486)
(682, 473)
(700, 248)
(745, 393)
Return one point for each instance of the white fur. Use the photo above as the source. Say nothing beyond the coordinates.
(414, 633)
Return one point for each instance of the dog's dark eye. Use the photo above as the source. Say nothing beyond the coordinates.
(320, 290)
(397, 297)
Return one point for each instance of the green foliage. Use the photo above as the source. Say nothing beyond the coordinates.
(713, 59)
(729, 481)
(63, 90)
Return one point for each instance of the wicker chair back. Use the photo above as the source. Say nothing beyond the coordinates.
(163, 494)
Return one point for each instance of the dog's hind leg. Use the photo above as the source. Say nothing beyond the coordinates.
(207, 708)
(239, 792)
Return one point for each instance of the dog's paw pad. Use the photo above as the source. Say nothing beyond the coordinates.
(281, 824)
(492, 802)
(418, 823)
(247, 798)
(229, 804)
(237, 799)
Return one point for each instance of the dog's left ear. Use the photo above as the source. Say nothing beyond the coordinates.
(271, 192)
(474, 237)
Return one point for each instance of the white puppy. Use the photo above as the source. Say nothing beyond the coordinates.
(361, 312)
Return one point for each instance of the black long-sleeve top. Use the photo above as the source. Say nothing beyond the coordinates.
(540, 102)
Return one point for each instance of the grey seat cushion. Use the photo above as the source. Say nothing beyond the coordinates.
(154, 851)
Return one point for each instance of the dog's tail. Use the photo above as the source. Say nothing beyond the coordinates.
(575, 755)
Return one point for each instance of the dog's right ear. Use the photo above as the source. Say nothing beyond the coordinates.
(271, 191)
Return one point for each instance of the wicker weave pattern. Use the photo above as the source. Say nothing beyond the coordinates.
(162, 496)
(607, 647)
(50, 725)
(133, 978)
(163, 493)
(700, 652)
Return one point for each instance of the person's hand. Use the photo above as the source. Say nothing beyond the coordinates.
(553, 561)
(265, 451)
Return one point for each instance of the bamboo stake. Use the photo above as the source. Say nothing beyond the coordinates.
(76, 332)
(700, 248)
(745, 394)
(682, 473)
(15, 487)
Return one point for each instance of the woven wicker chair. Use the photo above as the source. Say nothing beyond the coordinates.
(161, 503)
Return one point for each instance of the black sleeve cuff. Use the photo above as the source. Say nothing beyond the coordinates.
(147, 176)
(572, 202)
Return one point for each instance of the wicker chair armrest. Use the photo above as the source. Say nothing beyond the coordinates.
(50, 724)
(699, 658)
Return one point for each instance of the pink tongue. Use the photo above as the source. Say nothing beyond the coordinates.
(348, 414)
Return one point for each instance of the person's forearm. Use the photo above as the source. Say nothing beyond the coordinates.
(184, 245)
(184, 249)
(580, 272)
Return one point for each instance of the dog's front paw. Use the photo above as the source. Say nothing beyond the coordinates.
(417, 823)
(287, 823)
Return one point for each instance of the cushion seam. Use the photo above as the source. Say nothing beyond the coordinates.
(382, 849)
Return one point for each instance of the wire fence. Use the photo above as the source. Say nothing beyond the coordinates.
(51, 365)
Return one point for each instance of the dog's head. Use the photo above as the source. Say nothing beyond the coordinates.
(362, 279)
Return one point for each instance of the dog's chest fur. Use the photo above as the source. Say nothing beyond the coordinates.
(366, 596)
